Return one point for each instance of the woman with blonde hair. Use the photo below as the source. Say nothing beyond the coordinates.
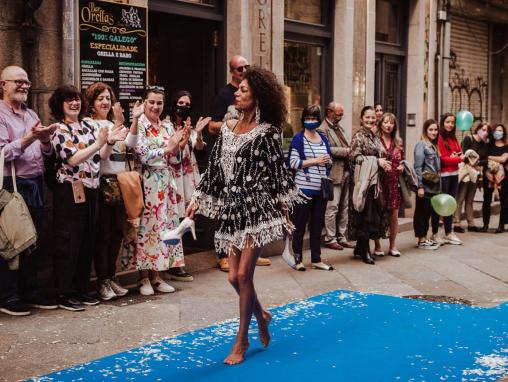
(394, 153)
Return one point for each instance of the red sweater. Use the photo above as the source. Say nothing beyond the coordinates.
(449, 163)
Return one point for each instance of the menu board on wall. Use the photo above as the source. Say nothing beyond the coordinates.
(112, 48)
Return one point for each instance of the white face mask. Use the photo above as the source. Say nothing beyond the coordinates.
(498, 135)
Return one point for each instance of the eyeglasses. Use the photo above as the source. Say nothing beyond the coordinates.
(70, 99)
(156, 88)
(20, 83)
(240, 69)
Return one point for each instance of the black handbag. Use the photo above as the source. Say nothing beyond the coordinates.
(327, 188)
(326, 183)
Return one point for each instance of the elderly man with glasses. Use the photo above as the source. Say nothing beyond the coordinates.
(336, 215)
(223, 105)
(24, 141)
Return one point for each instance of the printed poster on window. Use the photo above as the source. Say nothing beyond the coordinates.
(113, 48)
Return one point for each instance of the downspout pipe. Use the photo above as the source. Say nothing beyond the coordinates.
(69, 42)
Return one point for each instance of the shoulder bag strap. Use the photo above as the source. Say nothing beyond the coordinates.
(313, 153)
(13, 171)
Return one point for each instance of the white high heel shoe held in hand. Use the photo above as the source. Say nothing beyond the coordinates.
(174, 236)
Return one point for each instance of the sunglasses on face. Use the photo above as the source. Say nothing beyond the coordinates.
(156, 88)
(20, 83)
(242, 68)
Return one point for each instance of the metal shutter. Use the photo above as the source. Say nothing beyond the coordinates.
(469, 65)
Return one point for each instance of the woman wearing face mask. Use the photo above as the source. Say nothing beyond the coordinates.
(157, 144)
(427, 167)
(498, 152)
(102, 110)
(310, 157)
(366, 213)
(387, 132)
(450, 154)
(184, 167)
(478, 142)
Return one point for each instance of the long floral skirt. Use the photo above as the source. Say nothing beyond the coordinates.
(160, 214)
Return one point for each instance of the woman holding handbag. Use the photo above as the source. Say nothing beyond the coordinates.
(310, 157)
(427, 168)
(75, 197)
(103, 111)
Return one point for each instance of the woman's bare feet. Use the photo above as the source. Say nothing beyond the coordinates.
(237, 354)
(264, 334)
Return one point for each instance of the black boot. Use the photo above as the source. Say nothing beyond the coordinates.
(500, 229)
(367, 259)
(485, 228)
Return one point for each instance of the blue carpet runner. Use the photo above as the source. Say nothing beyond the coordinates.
(336, 336)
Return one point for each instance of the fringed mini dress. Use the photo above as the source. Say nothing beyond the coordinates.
(244, 187)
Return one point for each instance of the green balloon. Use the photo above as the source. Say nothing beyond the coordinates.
(464, 120)
(443, 204)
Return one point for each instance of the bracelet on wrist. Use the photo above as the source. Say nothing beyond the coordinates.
(110, 144)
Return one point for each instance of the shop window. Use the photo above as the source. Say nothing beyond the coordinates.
(212, 3)
(302, 77)
(388, 21)
(308, 11)
(307, 59)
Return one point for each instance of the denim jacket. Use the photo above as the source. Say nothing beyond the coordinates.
(426, 159)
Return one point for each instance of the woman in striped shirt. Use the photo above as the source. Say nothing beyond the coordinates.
(310, 157)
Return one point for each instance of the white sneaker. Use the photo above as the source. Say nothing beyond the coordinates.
(322, 266)
(119, 291)
(428, 244)
(161, 286)
(106, 293)
(145, 288)
(452, 239)
(436, 240)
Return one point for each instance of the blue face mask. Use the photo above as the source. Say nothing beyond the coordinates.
(311, 125)
(498, 135)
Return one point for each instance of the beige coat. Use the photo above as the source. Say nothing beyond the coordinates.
(339, 151)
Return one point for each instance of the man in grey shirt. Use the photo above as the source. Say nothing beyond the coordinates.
(336, 215)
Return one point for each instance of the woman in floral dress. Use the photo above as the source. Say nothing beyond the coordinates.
(247, 188)
(157, 143)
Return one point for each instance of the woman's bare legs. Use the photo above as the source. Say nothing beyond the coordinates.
(394, 227)
(241, 276)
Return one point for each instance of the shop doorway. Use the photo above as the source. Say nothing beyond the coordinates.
(185, 53)
(391, 53)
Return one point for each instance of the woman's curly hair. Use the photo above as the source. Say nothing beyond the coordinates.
(269, 94)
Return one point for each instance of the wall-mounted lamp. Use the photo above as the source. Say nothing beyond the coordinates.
(411, 120)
